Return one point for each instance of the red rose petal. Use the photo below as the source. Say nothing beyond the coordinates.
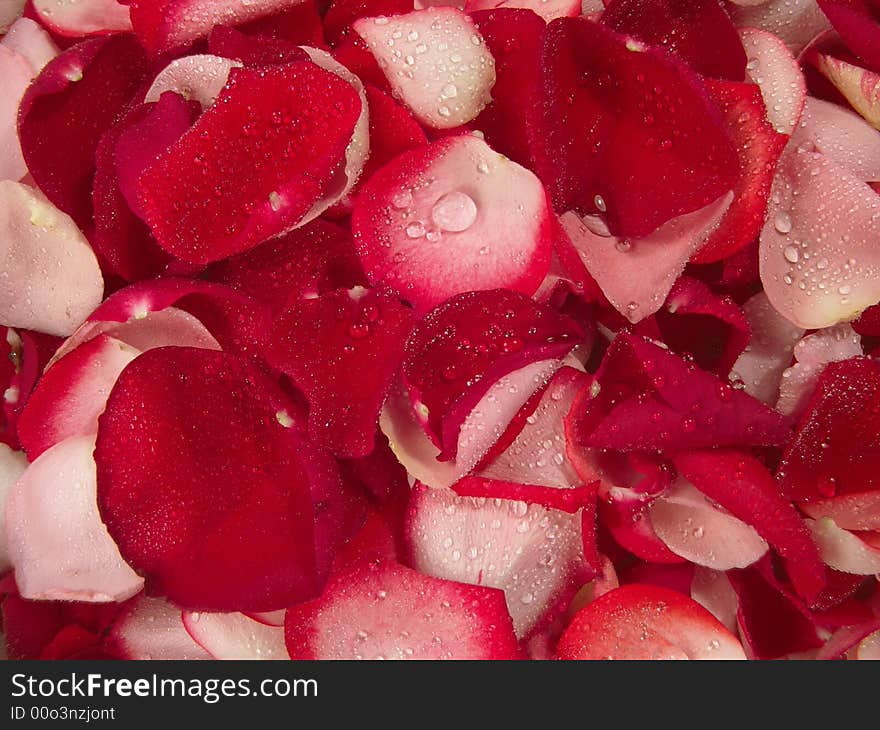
(201, 199)
(514, 38)
(759, 147)
(468, 343)
(307, 262)
(198, 78)
(240, 449)
(744, 487)
(453, 217)
(646, 622)
(639, 157)
(253, 50)
(648, 398)
(57, 542)
(499, 543)
(164, 25)
(393, 130)
(772, 623)
(698, 31)
(709, 328)
(836, 450)
(848, 638)
(858, 23)
(319, 342)
(375, 610)
(83, 17)
(60, 124)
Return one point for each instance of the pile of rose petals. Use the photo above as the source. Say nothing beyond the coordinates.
(380, 329)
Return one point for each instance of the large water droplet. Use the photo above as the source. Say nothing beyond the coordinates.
(455, 211)
(782, 222)
(791, 254)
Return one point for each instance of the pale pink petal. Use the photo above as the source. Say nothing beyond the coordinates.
(860, 86)
(15, 76)
(199, 78)
(842, 550)
(12, 466)
(759, 368)
(235, 636)
(50, 280)
(415, 51)
(60, 548)
(152, 628)
(796, 22)
(83, 17)
(819, 259)
(30, 41)
(636, 276)
(712, 590)
(775, 70)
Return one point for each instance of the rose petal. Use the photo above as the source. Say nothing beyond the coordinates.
(79, 18)
(200, 78)
(439, 92)
(796, 22)
(12, 466)
(843, 550)
(57, 542)
(860, 86)
(152, 628)
(234, 636)
(51, 277)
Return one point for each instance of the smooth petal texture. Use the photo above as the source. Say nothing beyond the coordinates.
(436, 62)
(69, 397)
(813, 353)
(857, 23)
(842, 550)
(234, 479)
(29, 40)
(320, 342)
(745, 488)
(51, 279)
(152, 628)
(796, 22)
(860, 86)
(498, 543)
(547, 10)
(774, 69)
(200, 199)
(819, 265)
(623, 149)
(453, 217)
(60, 124)
(60, 548)
(83, 17)
(712, 590)
(12, 466)
(836, 450)
(467, 344)
(692, 528)
(698, 31)
(199, 78)
(17, 74)
(647, 398)
(759, 368)
(382, 610)
(637, 274)
(164, 25)
(646, 622)
(234, 636)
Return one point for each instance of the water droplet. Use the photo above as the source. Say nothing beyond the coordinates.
(455, 211)
(415, 230)
(782, 222)
(791, 254)
(599, 202)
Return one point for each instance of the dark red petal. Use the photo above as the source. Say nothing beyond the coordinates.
(649, 147)
(858, 23)
(646, 622)
(207, 497)
(836, 449)
(847, 638)
(773, 623)
(238, 323)
(698, 31)
(342, 13)
(759, 147)
(468, 343)
(514, 37)
(380, 473)
(254, 164)
(299, 23)
(308, 261)
(384, 610)
(648, 398)
(60, 122)
(674, 577)
(393, 130)
(322, 342)
(253, 50)
(699, 324)
(745, 488)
